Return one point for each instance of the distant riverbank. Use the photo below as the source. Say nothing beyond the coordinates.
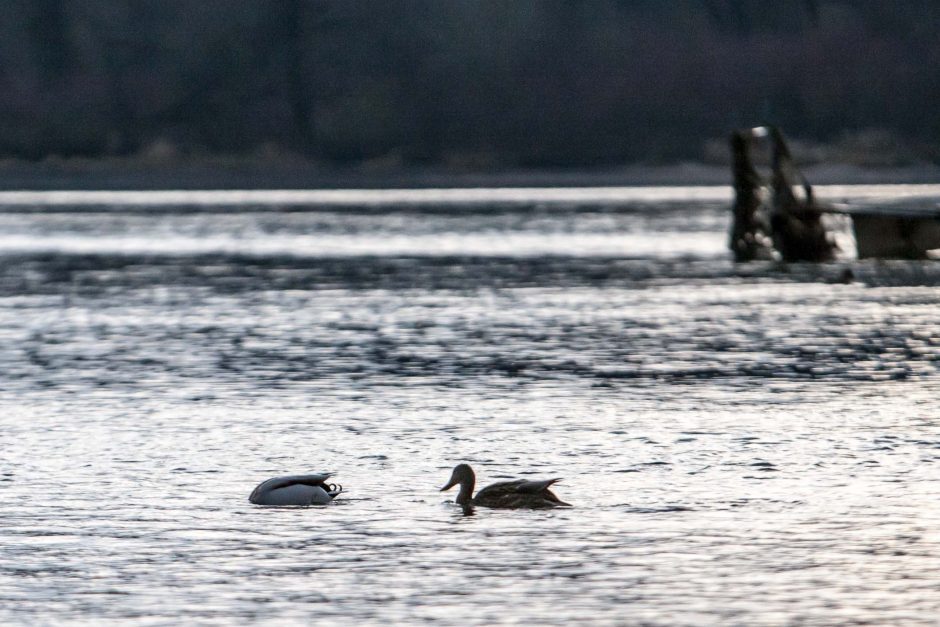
(220, 173)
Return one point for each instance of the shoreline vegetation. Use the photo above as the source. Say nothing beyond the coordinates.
(428, 93)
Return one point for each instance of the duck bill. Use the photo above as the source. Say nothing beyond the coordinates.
(450, 484)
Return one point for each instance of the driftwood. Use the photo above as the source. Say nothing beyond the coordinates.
(750, 229)
(773, 216)
(798, 231)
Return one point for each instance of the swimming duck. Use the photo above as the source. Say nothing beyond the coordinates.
(295, 490)
(518, 494)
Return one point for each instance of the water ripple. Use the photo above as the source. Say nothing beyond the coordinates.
(747, 445)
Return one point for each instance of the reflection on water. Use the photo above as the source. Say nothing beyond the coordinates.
(747, 445)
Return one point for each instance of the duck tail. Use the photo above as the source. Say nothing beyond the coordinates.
(551, 496)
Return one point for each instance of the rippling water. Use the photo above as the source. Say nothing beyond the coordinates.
(752, 445)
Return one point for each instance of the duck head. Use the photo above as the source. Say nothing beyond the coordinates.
(463, 475)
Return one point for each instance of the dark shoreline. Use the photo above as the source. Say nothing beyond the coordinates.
(56, 174)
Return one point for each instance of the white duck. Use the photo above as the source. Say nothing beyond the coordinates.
(296, 490)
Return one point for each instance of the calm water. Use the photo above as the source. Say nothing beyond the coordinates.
(748, 445)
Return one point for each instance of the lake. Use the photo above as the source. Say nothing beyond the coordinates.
(754, 444)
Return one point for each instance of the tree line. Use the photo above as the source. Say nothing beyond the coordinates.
(472, 84)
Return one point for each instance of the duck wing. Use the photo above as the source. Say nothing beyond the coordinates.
(282, 482)
(535, 487)
(518, 494)
(540, 488)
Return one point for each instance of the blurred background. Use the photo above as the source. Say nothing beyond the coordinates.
(484, 86)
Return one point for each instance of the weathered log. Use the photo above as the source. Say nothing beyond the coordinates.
(749, 228)
(796, 223)
(772, 217)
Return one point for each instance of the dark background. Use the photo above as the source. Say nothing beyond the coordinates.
(486, 85)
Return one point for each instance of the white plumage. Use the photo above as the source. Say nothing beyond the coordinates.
(295, 490)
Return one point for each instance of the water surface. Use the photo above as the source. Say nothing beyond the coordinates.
(750, 445)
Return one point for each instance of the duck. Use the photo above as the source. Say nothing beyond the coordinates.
(517, 494)
(296, 490)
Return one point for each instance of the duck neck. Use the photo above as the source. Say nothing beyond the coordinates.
(466, 490)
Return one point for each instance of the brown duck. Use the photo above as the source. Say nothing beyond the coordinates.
(518, 494)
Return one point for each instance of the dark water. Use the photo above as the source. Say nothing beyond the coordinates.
(753, 445)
